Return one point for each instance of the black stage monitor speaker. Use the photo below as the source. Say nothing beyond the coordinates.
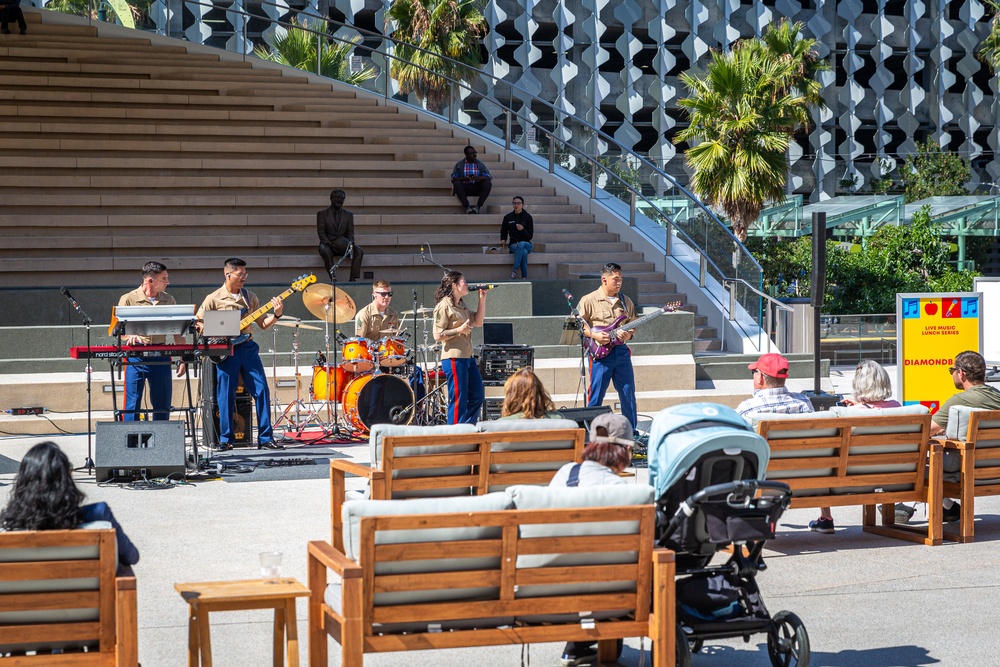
(583, 416)
(137, 450)
(242, 415)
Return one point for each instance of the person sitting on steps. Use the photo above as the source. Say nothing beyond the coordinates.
(471, 177)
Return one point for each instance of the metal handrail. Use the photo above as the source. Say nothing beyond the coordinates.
(665, 220)
(769, 300)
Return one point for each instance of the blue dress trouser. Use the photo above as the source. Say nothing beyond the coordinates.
(137, 372)
(617, 368)
(245, 357)
(521, 250)
(465, 390)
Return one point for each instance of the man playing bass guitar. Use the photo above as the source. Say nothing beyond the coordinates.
(605, 308)
(245, 357)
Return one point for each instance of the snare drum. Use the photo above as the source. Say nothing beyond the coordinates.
(378, 399)
(332, 388)
(391, 352)
(356, 355)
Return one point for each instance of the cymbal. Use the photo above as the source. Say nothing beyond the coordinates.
(297, 324)
(390, 332)
(316, 296)
(423, 311)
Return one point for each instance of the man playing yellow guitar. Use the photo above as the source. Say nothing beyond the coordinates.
(245, 357)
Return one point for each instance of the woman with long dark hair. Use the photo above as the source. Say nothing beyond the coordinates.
(46, 498)
(453, 324)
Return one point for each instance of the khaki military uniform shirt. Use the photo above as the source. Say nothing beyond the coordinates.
(449, 316)
(138, 298)
(221, 299)
(598, 311)
(369, 322)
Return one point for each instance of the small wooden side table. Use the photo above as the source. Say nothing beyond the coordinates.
(209, 596)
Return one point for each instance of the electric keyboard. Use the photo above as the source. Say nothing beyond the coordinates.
(186, 352)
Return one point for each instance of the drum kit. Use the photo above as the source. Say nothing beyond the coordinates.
(375, 382)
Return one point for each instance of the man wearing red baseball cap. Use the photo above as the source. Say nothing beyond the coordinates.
(770, 394)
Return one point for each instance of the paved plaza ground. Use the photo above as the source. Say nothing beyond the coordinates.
(866, 600)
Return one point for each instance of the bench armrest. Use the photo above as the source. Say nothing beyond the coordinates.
(126, 622)
(324, 554)
(960, 445)
(338, 492)
(359, 469)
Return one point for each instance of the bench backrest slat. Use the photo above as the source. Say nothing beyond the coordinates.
(57, 589)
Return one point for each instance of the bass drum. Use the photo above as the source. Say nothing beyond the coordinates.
(330, 387)
(378, 399)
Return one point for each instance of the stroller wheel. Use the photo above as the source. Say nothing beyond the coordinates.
(787, 641)
(683, 658)
(695, 645)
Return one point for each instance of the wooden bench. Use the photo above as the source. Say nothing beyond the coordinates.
(978, 448)
(59, 590)
(456, 465)
(869, 461)
(514, 578)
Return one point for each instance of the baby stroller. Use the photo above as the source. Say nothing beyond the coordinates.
(706, 467)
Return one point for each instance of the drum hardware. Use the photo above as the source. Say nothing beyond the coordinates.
(330, 304)
(298, 404)
(297, 324)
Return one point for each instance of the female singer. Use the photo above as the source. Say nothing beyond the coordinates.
(453, 323)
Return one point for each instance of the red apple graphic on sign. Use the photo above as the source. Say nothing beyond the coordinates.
(930, 308)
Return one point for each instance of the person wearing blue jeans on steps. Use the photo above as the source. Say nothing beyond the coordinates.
(519, 228)
(453, 324)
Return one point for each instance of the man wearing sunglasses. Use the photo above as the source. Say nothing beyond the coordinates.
(377, 315)
(969, 375)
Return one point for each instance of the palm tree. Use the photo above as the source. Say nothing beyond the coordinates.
(742, 113)
(297, 48)
(441, 29)
(784, 41)
(989, 50)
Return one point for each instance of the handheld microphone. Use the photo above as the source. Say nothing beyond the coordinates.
(474, 288)
(569, 297)
(65, 293)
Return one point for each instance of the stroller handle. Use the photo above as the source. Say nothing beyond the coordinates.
(745, 485)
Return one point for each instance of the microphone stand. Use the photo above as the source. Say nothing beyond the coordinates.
(575, 314)
(89, 462)
(332, 304)
(424, 258)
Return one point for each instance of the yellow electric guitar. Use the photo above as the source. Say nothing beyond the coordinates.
(302, 282)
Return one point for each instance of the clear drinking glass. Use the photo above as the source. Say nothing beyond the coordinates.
(270, 566)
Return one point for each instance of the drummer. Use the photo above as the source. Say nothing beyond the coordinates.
(377, 315)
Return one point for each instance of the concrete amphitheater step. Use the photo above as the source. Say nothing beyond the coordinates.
(139, 118)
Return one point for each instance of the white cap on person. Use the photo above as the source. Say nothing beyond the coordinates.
(613, 428)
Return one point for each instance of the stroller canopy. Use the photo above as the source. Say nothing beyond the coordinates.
(681, 434)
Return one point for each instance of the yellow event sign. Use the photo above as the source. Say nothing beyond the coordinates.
(933, 328)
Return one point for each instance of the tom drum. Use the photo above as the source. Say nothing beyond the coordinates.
(356, 355)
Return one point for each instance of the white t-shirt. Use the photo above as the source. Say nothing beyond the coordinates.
(591, 474)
